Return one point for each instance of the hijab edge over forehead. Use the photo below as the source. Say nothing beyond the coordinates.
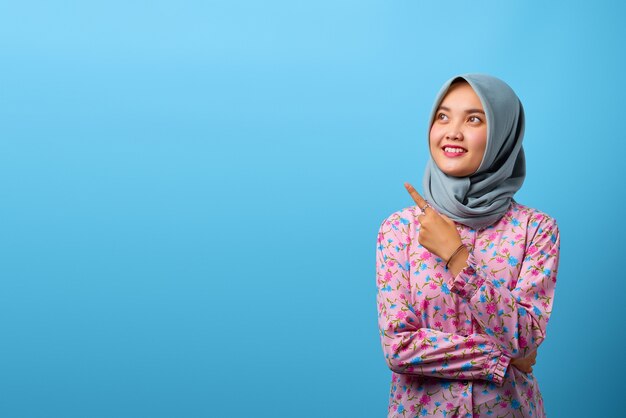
(480, 199)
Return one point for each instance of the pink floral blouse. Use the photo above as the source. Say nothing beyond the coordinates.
(449, 340)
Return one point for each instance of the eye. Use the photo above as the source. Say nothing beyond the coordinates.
(475, 119)
(442, 116)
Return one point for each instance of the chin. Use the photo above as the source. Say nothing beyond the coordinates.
(455, 171)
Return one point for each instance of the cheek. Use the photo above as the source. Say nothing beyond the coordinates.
(482, 141)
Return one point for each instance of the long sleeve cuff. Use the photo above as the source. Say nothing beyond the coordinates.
(499, 370)
(468, 281)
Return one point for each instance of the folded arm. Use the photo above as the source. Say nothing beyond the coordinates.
(409, 346)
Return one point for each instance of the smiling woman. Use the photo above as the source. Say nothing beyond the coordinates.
(466, 277)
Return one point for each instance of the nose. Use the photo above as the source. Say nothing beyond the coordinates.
(454, 134)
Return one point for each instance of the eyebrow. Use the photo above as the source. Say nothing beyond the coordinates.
(466, 111)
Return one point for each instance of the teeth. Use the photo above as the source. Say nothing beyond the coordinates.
(457, 150)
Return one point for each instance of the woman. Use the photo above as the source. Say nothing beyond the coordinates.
(466, 277)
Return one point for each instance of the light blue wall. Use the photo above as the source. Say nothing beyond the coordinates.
(190, 193)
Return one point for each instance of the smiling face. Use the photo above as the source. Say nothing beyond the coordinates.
(458, 135)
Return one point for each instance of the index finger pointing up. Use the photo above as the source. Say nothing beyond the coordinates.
(419, 200)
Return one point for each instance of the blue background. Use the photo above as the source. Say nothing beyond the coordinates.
(190, 195)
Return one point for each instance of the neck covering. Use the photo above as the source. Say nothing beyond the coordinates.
(482, 198)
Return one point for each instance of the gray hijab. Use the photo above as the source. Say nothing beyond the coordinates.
(482, 198)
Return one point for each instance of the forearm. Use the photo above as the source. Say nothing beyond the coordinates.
(427, 352)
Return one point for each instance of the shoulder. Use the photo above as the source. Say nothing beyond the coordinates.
(535, 221)
(401, 222)
(406, 216)
(532, 215)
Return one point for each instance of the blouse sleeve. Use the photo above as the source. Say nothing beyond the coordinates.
(516, 319)
(408, 346)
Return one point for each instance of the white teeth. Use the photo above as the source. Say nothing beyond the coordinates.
(457, 150)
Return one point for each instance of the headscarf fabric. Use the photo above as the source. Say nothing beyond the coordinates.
(482, 198)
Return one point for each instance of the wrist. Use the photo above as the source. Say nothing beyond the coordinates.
(458, 261)
(453, 252)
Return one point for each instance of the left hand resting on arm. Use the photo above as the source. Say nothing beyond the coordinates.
(525, 364)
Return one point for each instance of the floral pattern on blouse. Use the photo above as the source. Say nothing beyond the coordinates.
(449, 340)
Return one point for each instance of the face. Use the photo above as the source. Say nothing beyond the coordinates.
(458, 135)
